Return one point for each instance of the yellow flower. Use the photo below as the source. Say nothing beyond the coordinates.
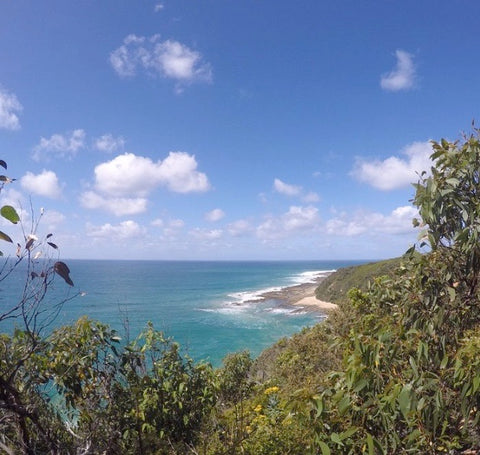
(258, 408)
(271, 390)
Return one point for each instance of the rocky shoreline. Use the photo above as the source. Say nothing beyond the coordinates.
(301, 296)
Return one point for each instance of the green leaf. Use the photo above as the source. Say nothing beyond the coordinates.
(361, 384)
(324, 448)
(453, 181)
(5, 237)
(346, 434)
(335, 437)
(8, 212)
(444, 362)
(343, 405)
(404, 400)
(452, 293)
(370, 444)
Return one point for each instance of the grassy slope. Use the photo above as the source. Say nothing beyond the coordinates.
(336, 286)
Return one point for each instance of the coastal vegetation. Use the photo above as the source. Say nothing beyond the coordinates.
(394, 370)
(334, 288)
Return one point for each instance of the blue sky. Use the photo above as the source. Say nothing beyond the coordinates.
(229, 129)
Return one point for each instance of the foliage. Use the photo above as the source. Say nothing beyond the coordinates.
(409, 383)
(298, 362)
(89, 394)
(335, 287)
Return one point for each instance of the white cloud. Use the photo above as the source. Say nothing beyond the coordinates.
(123, 231)
(51, 219)
(215, 215)
(206, 234)
(176, 223)
(129, 174)
(398, 222)
(9, 108)
(297, 219)
(108, 143)
(119, 206)
(239, 228)
(311, 197)
(168, 59)
(393, 172)
(44, 184)
(300, 218)
(402, 77)
(285, 188)
(178, 172)
(158, 7)
(157, 222)
(60, 145)
(294, 190)
(122, 184)
(126, 174)
(171, 224)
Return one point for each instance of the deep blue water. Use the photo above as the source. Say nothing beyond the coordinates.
(202, 305)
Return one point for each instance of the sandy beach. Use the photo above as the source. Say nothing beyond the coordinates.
(301, 296)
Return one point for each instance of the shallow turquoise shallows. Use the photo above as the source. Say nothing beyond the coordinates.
(203, 305)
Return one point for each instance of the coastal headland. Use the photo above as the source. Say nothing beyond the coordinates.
(301, 296)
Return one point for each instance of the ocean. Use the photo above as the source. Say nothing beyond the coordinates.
(205, 306)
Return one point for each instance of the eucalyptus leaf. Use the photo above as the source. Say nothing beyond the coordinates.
(9, 213)
(5, 237)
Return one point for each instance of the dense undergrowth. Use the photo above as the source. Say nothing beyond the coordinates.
(395, 370)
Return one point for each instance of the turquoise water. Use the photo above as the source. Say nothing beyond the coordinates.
(202, 305)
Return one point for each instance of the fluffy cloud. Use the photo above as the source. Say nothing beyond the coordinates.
(129, 174)
(293, 190)
(399, 221)
(9, 108)
(178, 172)
(44, 184)
(122, 184)
(394, 172)
(119, 206)
(402, 77)
(158, 7)
(285, 188)
(297, 219)
(108, 143)
(168, 59)
(215, 215)
(60, 145)
(125, 230)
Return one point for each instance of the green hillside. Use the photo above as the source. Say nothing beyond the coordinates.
(336, 286)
